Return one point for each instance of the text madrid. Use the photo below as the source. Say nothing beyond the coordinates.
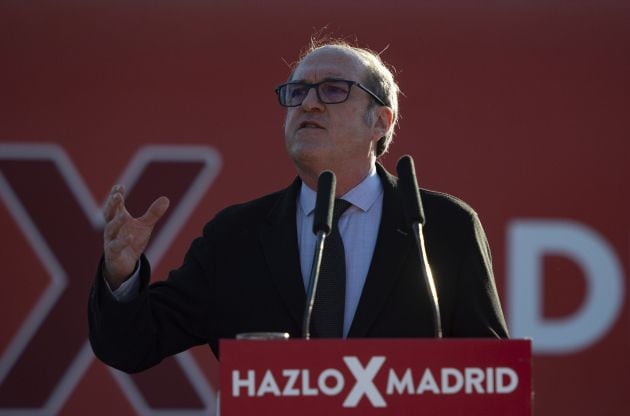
(331, 381)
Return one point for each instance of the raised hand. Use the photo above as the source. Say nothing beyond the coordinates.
(125, 238)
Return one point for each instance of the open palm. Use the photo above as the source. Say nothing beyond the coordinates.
(125, 238)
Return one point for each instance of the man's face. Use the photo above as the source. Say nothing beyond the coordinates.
(322, 136)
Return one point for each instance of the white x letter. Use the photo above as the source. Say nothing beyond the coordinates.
(364, 384)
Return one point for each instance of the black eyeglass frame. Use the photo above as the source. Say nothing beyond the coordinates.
(316, 86)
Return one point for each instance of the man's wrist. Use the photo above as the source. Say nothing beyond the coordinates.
(128, 289)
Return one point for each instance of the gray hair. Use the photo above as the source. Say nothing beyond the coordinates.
(379, 79)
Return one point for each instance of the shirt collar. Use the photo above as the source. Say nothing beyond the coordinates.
(362, 196)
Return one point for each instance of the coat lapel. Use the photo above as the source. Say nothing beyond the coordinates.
(393, 245)
(278, 237)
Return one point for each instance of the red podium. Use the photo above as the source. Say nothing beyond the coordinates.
(376, 377)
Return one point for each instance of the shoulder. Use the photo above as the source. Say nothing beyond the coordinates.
(244, 214)
(440, 204)
(453, 221)
(251, 214)
(440, 208)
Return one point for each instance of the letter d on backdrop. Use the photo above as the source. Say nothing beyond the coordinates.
(528, 243)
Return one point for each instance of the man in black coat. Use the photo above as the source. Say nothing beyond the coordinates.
(249, 269)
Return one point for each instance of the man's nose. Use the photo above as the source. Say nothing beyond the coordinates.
(311, 101)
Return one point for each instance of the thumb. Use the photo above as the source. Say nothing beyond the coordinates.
(155, 211)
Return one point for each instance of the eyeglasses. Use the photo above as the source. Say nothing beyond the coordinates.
(336, 91)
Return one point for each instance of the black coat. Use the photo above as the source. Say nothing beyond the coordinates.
(243, 275)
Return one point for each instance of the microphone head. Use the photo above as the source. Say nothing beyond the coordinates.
(409, 187)
(326, 187)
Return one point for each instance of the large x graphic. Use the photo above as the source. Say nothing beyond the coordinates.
(53, 207)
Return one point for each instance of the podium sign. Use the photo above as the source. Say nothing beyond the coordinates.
(376, 377)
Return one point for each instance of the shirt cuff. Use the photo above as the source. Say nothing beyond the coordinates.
(129, 289)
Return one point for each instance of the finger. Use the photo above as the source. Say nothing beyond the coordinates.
(116, 246)
(155, 211)
(114, 201)
(118, 188)
(113, 227)
(111, 207)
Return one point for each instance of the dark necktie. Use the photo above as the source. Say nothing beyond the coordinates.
(330, 297)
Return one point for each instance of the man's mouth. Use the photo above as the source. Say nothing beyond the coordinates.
(310, 125)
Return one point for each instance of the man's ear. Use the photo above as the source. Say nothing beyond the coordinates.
(383, 119)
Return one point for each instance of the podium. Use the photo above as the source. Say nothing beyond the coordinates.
(472, 377)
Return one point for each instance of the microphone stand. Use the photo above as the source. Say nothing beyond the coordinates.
(322, 223)
(312, 286)
(428, 278)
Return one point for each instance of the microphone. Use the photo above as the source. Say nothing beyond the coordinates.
(409, 186)
(326, 186)
(414, 213)
(322, 224)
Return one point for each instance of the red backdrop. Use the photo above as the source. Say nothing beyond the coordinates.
(520, 108)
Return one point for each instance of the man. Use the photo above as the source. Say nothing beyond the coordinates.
(249, 270)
